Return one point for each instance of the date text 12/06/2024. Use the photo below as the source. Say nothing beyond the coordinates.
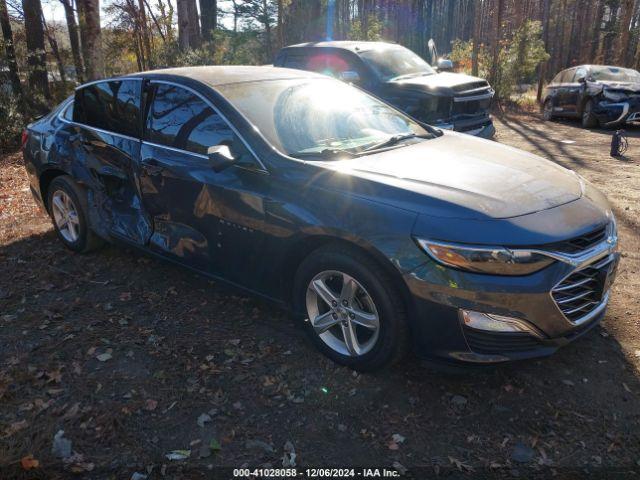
(316, 473)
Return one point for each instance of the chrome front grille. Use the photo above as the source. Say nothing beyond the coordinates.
(585, 290)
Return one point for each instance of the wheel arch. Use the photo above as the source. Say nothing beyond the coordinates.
(45, 179)
(305, 246)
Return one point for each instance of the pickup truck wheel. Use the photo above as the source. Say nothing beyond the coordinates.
(589, 120)
(67, 204)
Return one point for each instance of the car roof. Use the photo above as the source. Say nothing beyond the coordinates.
(351, 45)
(217, 75)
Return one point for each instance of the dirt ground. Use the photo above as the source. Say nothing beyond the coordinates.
(134, 358)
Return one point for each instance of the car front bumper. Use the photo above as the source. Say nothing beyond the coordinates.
(439, 294)
(613, 114)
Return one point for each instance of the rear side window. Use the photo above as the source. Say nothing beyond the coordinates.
(113, 106)
(567, 76)
(180, 119)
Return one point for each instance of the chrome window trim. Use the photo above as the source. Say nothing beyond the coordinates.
(215, 109)
(63, 109)
(174, 149)
(103, 80)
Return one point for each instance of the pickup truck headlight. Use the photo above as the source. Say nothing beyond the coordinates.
(490, 260)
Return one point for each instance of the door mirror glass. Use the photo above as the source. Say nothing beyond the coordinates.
(220, 157)
(445, 65)
(350, 76)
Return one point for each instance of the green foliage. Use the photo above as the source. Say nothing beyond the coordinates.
(373, 31)
(518, 58)
(11, 120)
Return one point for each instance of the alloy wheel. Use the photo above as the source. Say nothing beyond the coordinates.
(342, 313)
(65, 214)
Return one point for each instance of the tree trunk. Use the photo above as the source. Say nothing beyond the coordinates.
(208, 18)
(476, 39)
(623, 36)
(37, 58)
(542, 68)
(91, 37)
(7, 35)
(267, 31)
(144, 32)
(188, 29)
(496, 43)
(74, 41)
(53, 43)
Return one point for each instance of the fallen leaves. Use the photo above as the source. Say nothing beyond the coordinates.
(178, 455)
(29, 463)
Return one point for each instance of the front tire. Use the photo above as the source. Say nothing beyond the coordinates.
(589, 120)
(67, 203)
(351, 309)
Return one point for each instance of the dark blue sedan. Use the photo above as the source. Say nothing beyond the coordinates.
(377, 231)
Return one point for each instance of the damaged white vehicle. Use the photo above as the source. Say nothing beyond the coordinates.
(599, 95)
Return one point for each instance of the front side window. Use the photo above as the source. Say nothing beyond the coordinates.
(302, 117)
(180, 119)
(396, 62)
(112, 105)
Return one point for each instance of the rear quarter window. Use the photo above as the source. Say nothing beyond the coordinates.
(112, 105)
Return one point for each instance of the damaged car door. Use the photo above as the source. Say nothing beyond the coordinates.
(208, 218)
(106, 116)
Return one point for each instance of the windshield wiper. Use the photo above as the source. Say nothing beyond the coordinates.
(393, 140)
(326, 154)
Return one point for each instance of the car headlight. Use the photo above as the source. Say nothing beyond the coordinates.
(491, 260)
(614, 96)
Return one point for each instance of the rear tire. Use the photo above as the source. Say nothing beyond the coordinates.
(68, 208)
(589, 120)
(374, 314)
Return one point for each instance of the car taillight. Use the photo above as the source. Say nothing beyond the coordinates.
(25, 137)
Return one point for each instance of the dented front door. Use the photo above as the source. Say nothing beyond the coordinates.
(208, 220)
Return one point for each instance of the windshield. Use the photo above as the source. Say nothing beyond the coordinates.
(614, 74)
(317, 117)
(392, 63)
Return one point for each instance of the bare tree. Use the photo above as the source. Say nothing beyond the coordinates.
(37, 57)
(91, 37)
(10, 52)
(74, 40)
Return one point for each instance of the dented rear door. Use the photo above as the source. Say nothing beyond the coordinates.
(107, 149)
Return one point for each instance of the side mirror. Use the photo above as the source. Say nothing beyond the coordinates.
(220, 157)
(349, 76)
(444, 65)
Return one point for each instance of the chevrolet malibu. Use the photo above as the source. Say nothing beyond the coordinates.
(379, 233)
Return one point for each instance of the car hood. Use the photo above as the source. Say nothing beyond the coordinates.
(628, 86)
(460, 176)
(443, 80)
